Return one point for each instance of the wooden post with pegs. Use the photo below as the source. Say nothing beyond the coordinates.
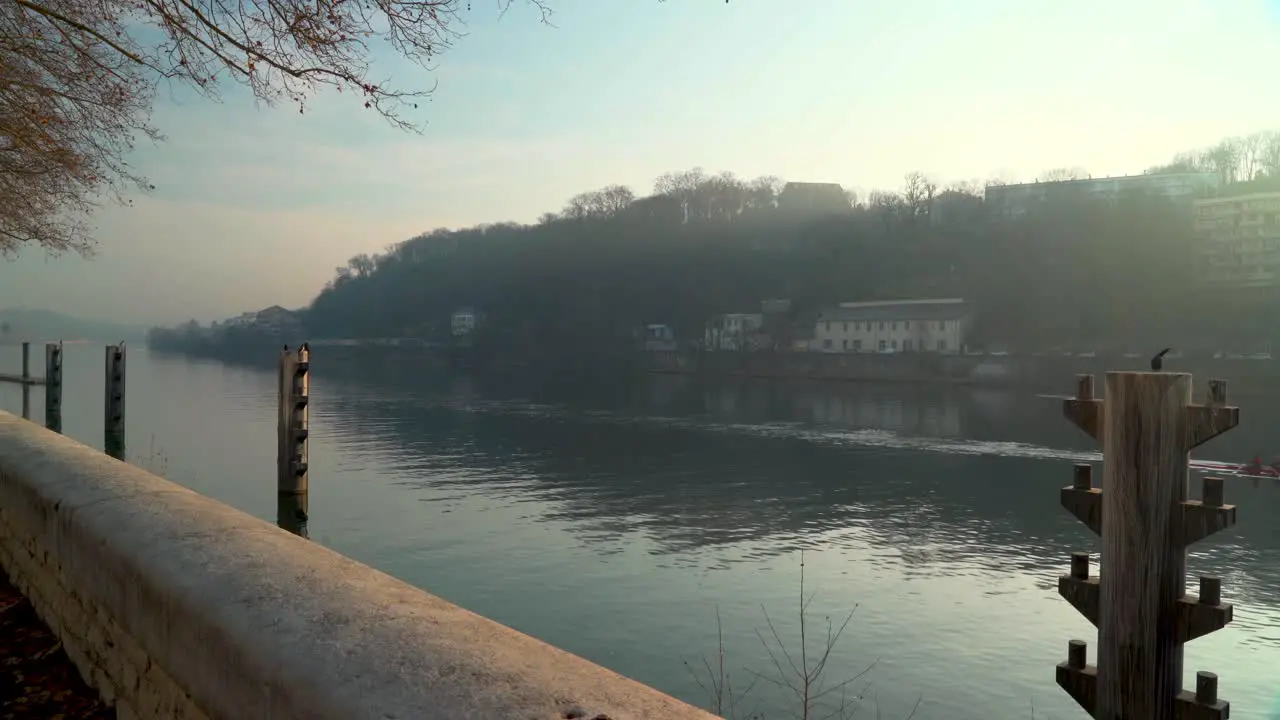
(26, 380)
(113, 407)
(292, 430)
(53, 386)
(1147, 425)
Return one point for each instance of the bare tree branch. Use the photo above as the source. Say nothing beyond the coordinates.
(78, 80)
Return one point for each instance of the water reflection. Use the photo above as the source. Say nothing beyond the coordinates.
(936, 414)
(691, 465)
(952, 491)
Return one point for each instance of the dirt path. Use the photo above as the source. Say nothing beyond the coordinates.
(37, 680)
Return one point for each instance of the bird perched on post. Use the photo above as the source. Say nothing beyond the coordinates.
(1157, 362)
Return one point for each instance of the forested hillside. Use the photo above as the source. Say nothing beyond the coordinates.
(1078, 271)
(1074, 272)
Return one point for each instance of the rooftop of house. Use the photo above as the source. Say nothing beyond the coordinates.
(899, 303)
(890, 311)
(827, 186)
(1156, 178)
(1256, 192)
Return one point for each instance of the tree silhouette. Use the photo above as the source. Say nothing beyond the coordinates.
(79, 80)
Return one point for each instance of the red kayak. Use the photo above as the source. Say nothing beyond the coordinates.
(1257, 469)
(1253, 469)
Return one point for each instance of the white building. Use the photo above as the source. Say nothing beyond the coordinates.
(462, 322)
(271, 318)
(242, 320)
(659, 337)
(937, 326)
(1014, 200)
(733, 331)
(1239, 240)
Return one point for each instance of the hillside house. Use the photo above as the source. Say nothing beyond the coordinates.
(735, 331)
(657, 337)
(938, 326)
(463, 322)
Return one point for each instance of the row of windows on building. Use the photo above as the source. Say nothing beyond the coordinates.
(907, 345)
(1250, 210)
(1229, 235)
(859, 325)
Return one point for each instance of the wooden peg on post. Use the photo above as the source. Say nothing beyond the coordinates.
(1077, 677)
(53, 386)
(1079, 589)
(113, 441)
(1209, 515)
(1084, 409)
(1217, 392)
(292, 430)
(1203, 704)
(1214, 417)
(1082, 499)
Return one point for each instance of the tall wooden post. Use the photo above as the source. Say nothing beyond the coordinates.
(113, 407)
(53, 386)
(25, 382)
(291, 452)
(1147, 425)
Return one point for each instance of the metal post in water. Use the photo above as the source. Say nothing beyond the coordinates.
(53, 386)
(113, 416)
(294, 419)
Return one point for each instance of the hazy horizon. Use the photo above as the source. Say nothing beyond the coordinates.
(255, 207)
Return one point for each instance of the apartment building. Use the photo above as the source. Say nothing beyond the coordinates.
(893, 326)
(734, 331)
(1016, 200)
(1239, 240)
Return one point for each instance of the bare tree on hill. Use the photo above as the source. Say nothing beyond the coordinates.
(1063, 174)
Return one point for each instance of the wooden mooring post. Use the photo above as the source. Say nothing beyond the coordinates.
(53, 386)
(291, 453)
(1147, 425)
(113, 408)
(26, 380)
(291, 513)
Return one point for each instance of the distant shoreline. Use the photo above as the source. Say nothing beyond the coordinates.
(43, 340)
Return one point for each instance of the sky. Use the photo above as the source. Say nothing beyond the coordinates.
(256, 206)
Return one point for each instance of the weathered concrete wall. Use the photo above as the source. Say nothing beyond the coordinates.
(174, 605)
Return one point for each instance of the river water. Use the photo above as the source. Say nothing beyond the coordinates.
(618, 521)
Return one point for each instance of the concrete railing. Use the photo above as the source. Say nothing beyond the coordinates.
(174, 605)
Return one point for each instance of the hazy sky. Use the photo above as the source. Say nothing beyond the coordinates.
(256, 206)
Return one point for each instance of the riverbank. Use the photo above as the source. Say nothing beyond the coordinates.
(1042, 373)
(38, 680)
(1046, 373)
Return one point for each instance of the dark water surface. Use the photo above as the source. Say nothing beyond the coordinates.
(615, 520)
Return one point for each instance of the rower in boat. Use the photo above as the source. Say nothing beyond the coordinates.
(1257, 469)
